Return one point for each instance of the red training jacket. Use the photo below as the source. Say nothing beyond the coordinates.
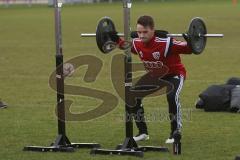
(160, 56)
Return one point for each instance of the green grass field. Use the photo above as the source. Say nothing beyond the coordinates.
(27, 49)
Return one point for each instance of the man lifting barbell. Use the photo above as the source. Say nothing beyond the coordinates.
(158, 50)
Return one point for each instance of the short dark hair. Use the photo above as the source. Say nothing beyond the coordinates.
(146, 21)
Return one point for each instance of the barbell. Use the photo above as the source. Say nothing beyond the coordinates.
(168, 35)
(197, 35)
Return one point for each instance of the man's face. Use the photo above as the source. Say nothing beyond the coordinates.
(145, 33)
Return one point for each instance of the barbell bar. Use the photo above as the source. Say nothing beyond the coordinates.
(168, 35)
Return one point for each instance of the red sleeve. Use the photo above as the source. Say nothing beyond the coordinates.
(180, 47)
(134, 49)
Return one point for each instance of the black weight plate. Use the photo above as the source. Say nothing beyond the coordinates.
(105, 25)
(197, 29)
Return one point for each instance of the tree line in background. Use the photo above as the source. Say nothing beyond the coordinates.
(7, 3)
(50, 2)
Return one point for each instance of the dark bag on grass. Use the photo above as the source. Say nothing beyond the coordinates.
(216, 98)
(233, 81)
